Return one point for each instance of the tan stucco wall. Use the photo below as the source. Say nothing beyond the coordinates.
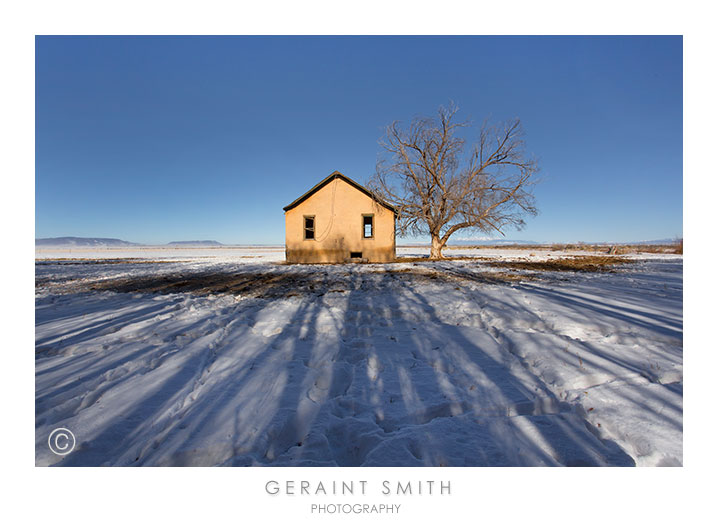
(338, 208)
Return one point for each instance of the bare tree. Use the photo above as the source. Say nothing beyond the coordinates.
(440, 187)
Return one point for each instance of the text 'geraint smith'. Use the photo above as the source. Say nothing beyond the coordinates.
(357, 487)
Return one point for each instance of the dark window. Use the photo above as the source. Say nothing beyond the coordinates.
(355, 255)
(368, 226)
(309, 227)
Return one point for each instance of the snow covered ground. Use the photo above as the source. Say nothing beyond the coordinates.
(230, 357)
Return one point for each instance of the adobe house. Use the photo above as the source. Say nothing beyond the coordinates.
(339, 221)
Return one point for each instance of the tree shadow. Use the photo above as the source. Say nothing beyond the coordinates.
(341, 366)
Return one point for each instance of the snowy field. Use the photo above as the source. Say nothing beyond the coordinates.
(230, 357)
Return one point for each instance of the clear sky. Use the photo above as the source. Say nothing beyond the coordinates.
(153, 139)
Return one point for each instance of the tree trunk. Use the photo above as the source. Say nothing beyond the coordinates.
(436, 252)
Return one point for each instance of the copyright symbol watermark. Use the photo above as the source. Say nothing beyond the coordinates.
(61, 441)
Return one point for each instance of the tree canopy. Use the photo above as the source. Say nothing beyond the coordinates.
(440, 183)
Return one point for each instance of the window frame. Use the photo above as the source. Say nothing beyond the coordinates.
(304, 228)
(371, 216)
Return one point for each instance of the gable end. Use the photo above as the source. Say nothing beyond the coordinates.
(330, 178)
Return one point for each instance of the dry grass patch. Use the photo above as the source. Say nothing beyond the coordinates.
(286, 284)
(256, 284)
(103, 261)
(453, 275)
(407, 259)
(570, 264)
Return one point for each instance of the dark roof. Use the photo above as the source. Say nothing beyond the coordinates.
(338, 175)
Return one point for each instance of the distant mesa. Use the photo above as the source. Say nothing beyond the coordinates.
(104, 242)
(489, 242)
(667, 241)
(202, 243)
(83, 242)
(498, 242)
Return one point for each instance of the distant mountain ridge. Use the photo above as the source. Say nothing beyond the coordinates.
(670, 241)
(489, 242)
(105, 242)
(497, 242)
(196, 243)
(83, 242)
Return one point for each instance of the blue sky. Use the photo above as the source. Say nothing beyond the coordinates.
(153, 139)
